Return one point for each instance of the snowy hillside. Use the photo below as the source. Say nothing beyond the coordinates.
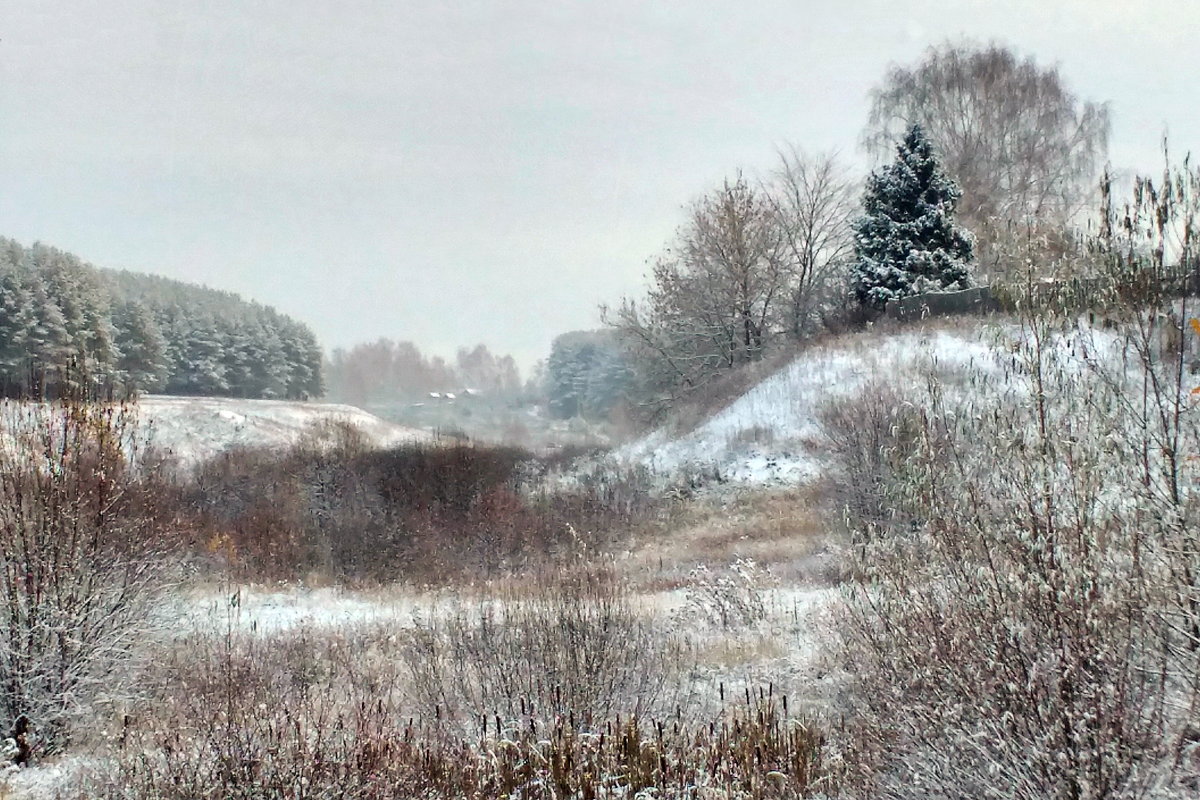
(768, 435)
(196, 428)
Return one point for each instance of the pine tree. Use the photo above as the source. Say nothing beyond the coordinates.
(50, 344)
(16, 328)
(906, 241)
(142, 361)
(83, 302)
(63, 322)
(302, 355)
(256, 361)
(237, 354)
(204, 358)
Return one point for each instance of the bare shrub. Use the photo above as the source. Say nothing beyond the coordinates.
(870, 436)
(571, 644)
(340, 436)
(603, 500)
(80, 529)
(731, 598)
(422, 513)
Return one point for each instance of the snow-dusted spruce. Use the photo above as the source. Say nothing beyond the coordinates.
(906, 241)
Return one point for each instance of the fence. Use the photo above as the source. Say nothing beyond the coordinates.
(944, 304)
(1142, 286)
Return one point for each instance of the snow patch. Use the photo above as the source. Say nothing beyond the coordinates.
(267, 611)
(769, 435)
(193, 429)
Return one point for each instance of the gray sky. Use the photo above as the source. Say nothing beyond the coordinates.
(457, 172)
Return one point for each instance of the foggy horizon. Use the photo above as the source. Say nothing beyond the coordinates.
(485, 173)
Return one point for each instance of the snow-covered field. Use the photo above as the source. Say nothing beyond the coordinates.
(266, 611)
(193, 429)
(767, 436)
(780, 650)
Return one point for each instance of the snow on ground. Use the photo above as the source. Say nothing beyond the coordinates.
(46, 781)
(193, 429)
(768, 435)
(267, 611)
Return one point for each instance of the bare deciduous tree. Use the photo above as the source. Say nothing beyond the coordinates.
(712, 299)
(813, 202)
(729, 254)
(750, 266)
(1022, 146)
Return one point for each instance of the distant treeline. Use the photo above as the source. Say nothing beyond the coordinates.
(385, 371)
(66, 324)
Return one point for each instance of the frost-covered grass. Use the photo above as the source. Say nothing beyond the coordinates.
(278, 609)
(566, 688)
(658, 666)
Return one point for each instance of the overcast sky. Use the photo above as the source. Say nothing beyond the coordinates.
(453, 172)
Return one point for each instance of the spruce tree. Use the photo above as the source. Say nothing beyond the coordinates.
(906, 242)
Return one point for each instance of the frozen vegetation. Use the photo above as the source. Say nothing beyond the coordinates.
(811, 620)
(921, 560)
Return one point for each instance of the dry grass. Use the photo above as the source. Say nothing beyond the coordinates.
(783, 531)
(741, 648)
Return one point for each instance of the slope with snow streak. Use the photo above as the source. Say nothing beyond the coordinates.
(767, 435)
(193, 429)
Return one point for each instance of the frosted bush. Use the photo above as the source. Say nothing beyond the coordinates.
(1035, 630)
(730, 598)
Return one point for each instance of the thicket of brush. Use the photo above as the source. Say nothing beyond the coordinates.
(93, 533)
(1020, 615)
(418, 513)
